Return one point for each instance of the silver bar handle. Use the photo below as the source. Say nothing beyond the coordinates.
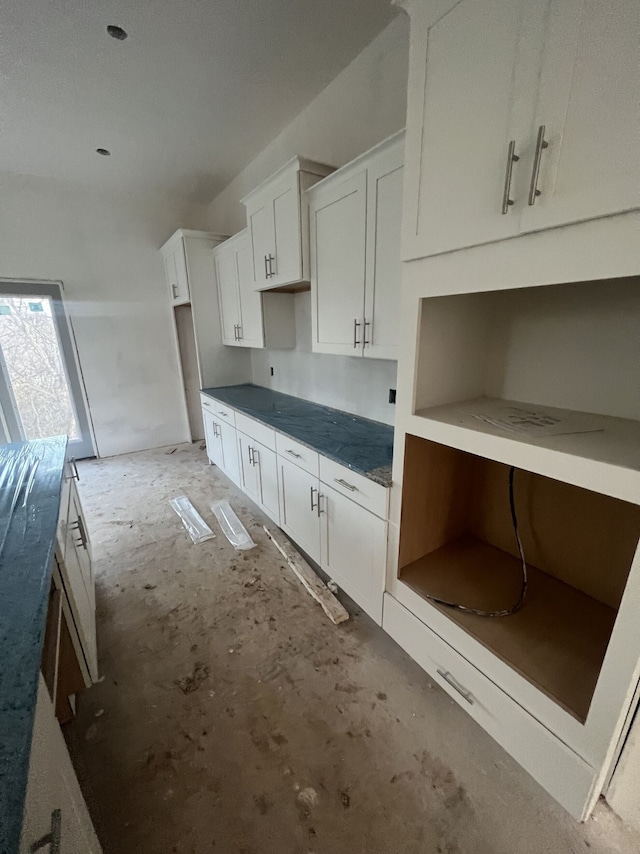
(174, 291)
(266, 267)
(346, 485)
(366, 323)
(356, 326)
(449, 679)
(320, 497)
(239, 328)
(256, 457)
(313, 505)
(235, 332)
(293, 453)
(271, 270)
(541, 144)
(52, 839)
(250, 452)
(74, 469)
(512, 158)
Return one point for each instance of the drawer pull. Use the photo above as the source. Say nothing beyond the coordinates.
(224, 414)
(346, 485)
(52, 839)
(293, 453)
(456, 685)
(204, 403)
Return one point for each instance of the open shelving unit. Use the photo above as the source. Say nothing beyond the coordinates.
(572, 350)
(457, 543)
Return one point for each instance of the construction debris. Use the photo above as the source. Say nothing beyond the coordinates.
(320, 592)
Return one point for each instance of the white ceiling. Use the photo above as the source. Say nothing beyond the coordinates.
(194, 93)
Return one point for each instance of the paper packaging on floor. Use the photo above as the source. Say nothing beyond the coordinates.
(196, 527)
(232, 527)
(536, 422)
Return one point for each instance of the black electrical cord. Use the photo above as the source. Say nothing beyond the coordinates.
(525, 580)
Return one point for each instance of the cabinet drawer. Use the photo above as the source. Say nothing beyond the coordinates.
(558, 769)
(214, 407)
(297, 453)
(255, 430)
(358, 488)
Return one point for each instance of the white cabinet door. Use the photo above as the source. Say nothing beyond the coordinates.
(249, 480)
(384, 267)
(338, 234)
(229, 442)
(287, 264)
(261, 232)
(250, 300)
(53, 800)
(213, 439)
(354, 549)
(76, 572)
(588, 106)
(468, 68)
(265, 462)
(227, 279)
(299, 507)
(175, 267)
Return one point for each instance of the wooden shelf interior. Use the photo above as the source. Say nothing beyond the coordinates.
(574, 346)
(457, 543)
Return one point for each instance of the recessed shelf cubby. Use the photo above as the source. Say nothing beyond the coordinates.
(572, 347)
(457, 543)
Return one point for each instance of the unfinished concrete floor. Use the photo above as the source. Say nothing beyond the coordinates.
(235, 718)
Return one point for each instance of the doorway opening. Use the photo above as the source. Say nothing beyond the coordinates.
(41, 391)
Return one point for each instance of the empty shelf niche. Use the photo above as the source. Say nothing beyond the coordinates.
(457, 543)
(572, 350)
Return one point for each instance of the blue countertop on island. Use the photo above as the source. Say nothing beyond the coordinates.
(362, 445)
(30, 487)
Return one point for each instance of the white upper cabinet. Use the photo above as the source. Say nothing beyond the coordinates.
(277, 222)
(521, 117)
(338, 241)
(248, 317)
(588, 108)
(355, 218)
(460, 120)
(175, 268)
(240, 304)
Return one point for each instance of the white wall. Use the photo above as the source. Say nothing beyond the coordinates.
(363, 105)
(356, 385)
(104, 248)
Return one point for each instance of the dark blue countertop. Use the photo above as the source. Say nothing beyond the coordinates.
(30, 486)
(362, 445)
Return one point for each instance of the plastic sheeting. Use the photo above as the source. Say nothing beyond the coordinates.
(232, 527)
(196, 527)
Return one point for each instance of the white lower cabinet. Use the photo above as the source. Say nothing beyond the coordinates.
(343, 537)
(335, 516)
(213, 438)
(75, 571)
(353, 549)
(229, 442)
(55, 814)
(259, 474)
(299, 515)
(564, 774)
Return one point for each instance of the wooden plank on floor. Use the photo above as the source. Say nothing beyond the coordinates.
(314, 586)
